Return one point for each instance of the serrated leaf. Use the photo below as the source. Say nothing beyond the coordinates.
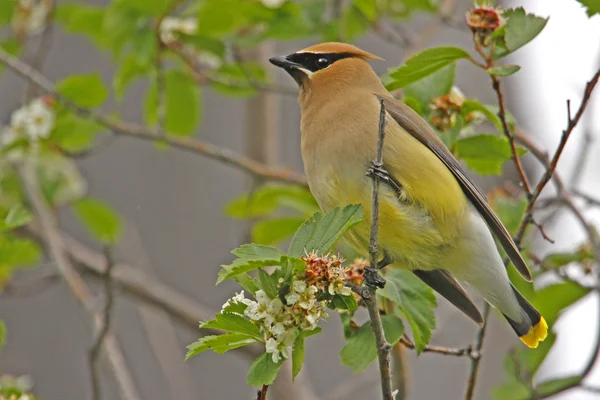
(592, 7)
(130, 67)
(154, 7)
(276, 230)
(367, 7)
(16, 216)
(101, 220)
(219, 343)
(513, 390)
(18, 252)
(484, 154)
(297, 355)
(503, 70)
(424, 64)
(557, 385)
(269, 198)
(344, 302)
(320, 232)
(415, 300)
(435, 85)
(74, 134)
(360, 349)
(521, 28)
(83, 90)
(250, 257)
(263, 371)
(268, 283)
(233, 323)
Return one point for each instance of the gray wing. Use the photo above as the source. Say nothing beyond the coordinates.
(417, 127)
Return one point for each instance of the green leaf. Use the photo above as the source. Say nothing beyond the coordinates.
(513, 390)
(130, 68)
(263, 371)
(83, 19)
(182, 100)
(250, 257)
(269, 198)
(276, 230)
(268, 283)
(367, 7)
(521, 28)
(503, 70)
(7, 10)
(470, 106)
(510, 210)
(99, 218)
(74, 134)
(11, 45)
(154, 7)
(354, 23)
(552, 386)
(218, 18)
(435, 85)
(219, 343)
(2, 334)
(16, 216)
(150, 104)
(424, 64)
(297, 355)
(18, 251)
(360, 349)
(344, 302)
(83, 90)
(553, 299)
(557, 260)
(592, 7)
(320, 232)
(484, 154)
(415, 300)
(233, 323)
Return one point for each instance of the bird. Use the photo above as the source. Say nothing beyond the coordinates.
(433, 220)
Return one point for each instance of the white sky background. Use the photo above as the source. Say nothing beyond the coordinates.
(555, 67)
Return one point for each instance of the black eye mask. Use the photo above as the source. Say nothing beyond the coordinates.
(316, 61)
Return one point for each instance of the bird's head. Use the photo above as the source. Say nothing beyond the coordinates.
(327, 64)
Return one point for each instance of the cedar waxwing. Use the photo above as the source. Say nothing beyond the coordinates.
(433, 221)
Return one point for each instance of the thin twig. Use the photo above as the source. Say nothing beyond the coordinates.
(476, 357)
(551, 167)
(52, 236)
(105, 324)
(209, 150)
(384, 349)
(446, 351)
(262, 393)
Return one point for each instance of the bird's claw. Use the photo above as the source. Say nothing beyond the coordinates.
(378, 171)
(373, 279)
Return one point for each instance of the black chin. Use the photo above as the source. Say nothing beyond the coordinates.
(299, 76)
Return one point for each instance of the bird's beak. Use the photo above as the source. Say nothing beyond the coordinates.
(283, 62)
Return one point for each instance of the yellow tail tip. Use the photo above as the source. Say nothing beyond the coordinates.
(536, 334)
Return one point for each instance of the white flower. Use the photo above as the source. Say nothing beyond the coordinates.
(273, 3)
(292, 298)
(278, 329)
(275, 306)
(299, 286)
(35, 120)
(252, 311)
(272, 346)
(312, 290)
(456, 96)
(262, 297)
(169, 26)
(346, 291)
(31, 16)
(268, 320)
(239, 297)
(209, 59)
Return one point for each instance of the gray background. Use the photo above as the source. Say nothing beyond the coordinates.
(172, 203)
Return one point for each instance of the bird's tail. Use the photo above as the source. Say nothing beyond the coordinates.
(532, 329)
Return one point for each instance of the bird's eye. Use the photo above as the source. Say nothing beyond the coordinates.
(322, 62)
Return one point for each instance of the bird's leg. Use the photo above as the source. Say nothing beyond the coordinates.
(372, 277)
(381, 173)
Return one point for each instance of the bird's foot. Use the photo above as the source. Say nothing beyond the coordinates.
(373, 279)
(377, 170)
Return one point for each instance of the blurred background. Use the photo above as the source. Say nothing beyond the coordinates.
(175, 230)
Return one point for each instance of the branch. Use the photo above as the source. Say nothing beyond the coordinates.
(224, 155)
(105, 324)
(476, 358)
(551, 166)
(446, 351)
(77, 285)
(262, 393)
(384, 349)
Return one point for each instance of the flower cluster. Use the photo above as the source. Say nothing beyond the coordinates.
(445, 109)
(171, 26)
(483, 21)
(300, 304)
(15, 388)
(32, 122)
(31, 17)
